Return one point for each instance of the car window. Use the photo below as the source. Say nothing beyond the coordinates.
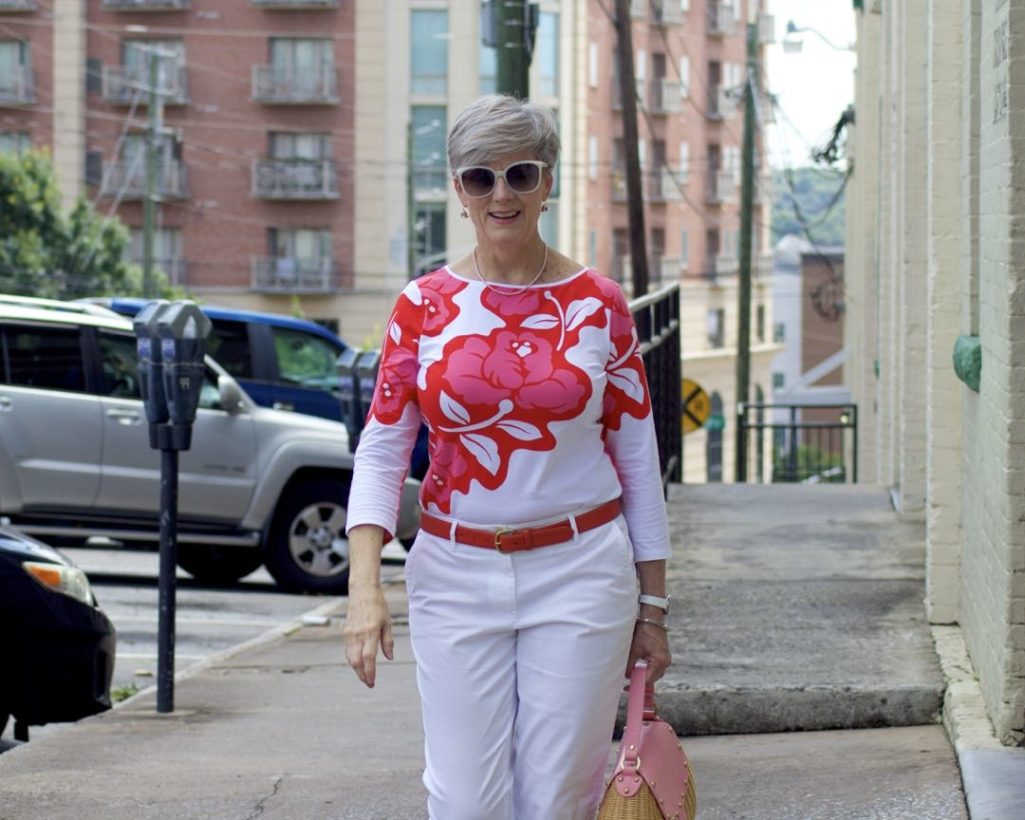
(306, 360)
(228, 343)
(119, 364)
(48, 358)
(209, 393)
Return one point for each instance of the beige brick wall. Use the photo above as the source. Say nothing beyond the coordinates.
(943, 390)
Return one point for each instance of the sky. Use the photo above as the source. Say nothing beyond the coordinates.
(813, 86)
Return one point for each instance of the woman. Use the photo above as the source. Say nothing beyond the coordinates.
(543, 510)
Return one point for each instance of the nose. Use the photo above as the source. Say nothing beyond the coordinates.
(501, 190)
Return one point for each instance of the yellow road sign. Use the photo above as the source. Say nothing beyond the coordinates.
(696, 406)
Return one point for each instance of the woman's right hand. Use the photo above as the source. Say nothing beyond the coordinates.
(367, 627)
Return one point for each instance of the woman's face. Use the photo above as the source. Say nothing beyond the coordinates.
(503, 215)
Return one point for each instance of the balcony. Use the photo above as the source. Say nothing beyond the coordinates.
(666, 97)
(618, 185)
(122, 84)
(722, 187)
(299, 179)
(668, 13)
(285, 85)
(663, 186)
(763, 189)
(127, 180)
(721, 22)
(17, 87)
(18, 5)
(721, 103)
(720, 265)
(617, 97)
(295, 4)
(766, 29)
(175, 268)
(665, 270)
(146, 5)
(290, 274)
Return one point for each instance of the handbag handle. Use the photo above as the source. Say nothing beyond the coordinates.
(640, 706)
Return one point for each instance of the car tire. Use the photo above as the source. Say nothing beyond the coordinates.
(307, 549)
(218, 564)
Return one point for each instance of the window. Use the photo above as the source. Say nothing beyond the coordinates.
(302, 68)
(684, 249)
(546, 54)
(713, 442)
(685, 76)
(15, 63)
(305, 360)
(592, 157)
(288, 145)
(167, 249)
(548, 225)
(14, 142)
(592, 248)
(45, 358)
(428, 52)
(716, 327)
(228, 344)
(430, 164)
(779, 332)
(119, 365)
(429, 246)
(592, 64)
(488, 70)
(778, 380)
(684, 164)
(170, 54)
(299, 256)
(760, 323)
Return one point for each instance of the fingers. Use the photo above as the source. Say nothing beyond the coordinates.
(650, 644)
(388, 642)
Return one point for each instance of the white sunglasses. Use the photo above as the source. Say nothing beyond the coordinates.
(521, 177)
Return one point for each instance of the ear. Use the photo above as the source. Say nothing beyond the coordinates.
(549, 183)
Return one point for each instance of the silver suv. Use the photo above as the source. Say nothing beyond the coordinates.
(257, 485)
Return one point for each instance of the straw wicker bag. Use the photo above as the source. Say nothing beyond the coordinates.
(652, 779)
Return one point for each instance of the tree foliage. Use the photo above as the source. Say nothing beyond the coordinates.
(45, 252)
(809, 200)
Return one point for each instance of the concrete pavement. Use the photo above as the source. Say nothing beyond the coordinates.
(799, 608)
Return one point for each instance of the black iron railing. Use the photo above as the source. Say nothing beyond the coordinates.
(657, 316)
(808, 443)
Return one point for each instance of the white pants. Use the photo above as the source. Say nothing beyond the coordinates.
(520, 663)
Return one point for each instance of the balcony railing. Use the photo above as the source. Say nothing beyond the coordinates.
(666, 269)
(720, 102)
(722, 187)
(18, 87)
(290, 274)
(295, 179)
(175, 268)
(122, 84)
(285, 85)
(18, 5)
(296, 4)
(617, 97)
(618, 185)
(721, 22)
(766, 28)
(719, 265)
(145, 5)
(128, 180)
(663, 186)
(666, 96)
(639, 9)
(668, 12)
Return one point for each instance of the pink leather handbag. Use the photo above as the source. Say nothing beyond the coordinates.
(652, 779)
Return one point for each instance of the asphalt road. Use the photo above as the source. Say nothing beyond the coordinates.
(209, 619)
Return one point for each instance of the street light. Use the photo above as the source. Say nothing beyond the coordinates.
(793, 45)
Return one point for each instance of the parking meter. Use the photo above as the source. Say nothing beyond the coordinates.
(151, 366)
(183, 329)
(366, 372)
(348, 393)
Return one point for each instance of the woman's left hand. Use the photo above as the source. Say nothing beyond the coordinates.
(651, 644)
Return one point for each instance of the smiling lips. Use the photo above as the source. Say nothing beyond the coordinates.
(503, 216)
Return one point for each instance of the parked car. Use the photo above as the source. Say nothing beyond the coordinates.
(283, 362)
(56, 644)
(256, 486)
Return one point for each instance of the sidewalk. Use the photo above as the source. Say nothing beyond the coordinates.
(797, 608)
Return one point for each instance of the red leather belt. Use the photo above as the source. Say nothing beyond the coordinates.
(507, 539)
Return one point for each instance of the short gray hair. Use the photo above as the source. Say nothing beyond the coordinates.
(497, 124)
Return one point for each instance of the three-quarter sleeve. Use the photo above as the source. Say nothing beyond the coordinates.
(629, 435)
(387, 439)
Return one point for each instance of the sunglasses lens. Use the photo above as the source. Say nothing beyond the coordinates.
(523, 177)
(478, 181)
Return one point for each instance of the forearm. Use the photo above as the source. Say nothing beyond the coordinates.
(652, 577)
(365, 545)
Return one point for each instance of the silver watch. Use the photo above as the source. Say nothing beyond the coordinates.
(653, 600)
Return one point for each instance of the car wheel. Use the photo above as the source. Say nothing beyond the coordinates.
(307, 550)
(218, 564)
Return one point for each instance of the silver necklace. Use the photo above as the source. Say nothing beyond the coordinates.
(504, 289)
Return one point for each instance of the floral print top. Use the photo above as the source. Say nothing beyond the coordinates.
(536, 403)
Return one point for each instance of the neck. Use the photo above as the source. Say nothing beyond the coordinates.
(514, 266)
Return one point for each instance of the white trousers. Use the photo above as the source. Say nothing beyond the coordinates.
(520, 663)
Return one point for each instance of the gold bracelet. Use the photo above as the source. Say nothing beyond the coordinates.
(653, 622)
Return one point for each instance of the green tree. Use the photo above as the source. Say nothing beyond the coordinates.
(45, 252)
(809, 201)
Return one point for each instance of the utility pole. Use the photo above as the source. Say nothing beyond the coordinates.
(509, 27)
(634, 193)
(751, 86)
(149, 203)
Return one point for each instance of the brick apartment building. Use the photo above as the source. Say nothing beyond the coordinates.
(302, 165)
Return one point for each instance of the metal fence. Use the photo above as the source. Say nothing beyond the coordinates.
(809, 443)
(657, 316)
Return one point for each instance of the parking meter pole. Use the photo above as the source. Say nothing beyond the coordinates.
(168, 579)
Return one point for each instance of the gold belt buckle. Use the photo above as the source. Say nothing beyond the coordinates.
(498, 538)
